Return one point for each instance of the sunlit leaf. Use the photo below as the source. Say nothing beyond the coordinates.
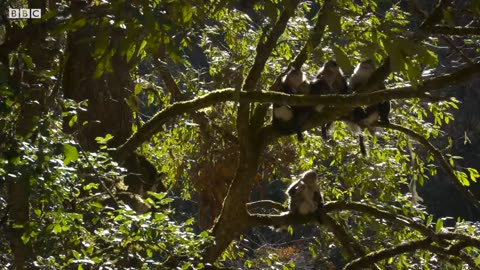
(70, 152)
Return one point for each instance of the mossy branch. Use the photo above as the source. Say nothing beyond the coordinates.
(155, 124)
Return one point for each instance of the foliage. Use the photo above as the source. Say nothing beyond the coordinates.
(80, 210)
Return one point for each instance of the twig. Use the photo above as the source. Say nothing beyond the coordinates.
(383, 254)
(155, 124)
(266, 204)
(438, 155)
(97, 176)
(455, 30)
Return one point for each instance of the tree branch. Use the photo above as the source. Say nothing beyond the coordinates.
(383, 254)
(265, 47)
(178, 95)
(434, 17)
(424, 244)
(438, 156)
(314, 40)
(469, 240)
(155, 124)
(234, 211)
(455, 30)
(348, 242)
(378, 213)
(377, 78)
(403, 221)
(266, 204)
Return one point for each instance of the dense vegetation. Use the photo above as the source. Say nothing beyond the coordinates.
(137, 135)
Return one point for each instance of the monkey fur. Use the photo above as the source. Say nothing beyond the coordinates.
(330, 80)
(305, 196)
(285, 118)
(365, 117)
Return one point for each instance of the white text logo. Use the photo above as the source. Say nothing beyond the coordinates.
(24, 13)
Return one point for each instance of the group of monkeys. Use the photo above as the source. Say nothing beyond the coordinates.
(330, 80)
(305, 196)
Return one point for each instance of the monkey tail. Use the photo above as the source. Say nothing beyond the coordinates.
(384, 109)
(361, 141)
(325, 130)
(300, 136)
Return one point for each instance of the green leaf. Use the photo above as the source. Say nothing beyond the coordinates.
(75, 254)
(138, 88)
(101, 44)
(25, 238)
(474, 175)
(80, 23)
(186, 13)
(477, 261)
(57, 229)
(99, 70)
(27, 60)
(131, 51)
(104, 140)
(342, 59)
(72, 120)
(142, 46)
(439, 225)
(70, 152)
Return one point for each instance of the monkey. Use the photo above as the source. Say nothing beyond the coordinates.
(361, 75)
(365, 117)
(329, 80)
(287, 118)
(304, 195)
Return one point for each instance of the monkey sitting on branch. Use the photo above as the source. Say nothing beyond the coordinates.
(330, 80)
(285, 118)
(304, 195)
(364, 117)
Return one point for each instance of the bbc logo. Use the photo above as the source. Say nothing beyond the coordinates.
(24, 13)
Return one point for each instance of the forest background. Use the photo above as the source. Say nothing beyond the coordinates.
(137, 135)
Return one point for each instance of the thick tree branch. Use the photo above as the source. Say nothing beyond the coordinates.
(344, 237)
(266, 45)
(155, 124)
(315, 37)
(352, 247)
(279, 220)
(424, 244)
(231, 221)
(383, 254)
(314, 40)
(378, 213)
(442, 239)
(178, 95)
(441, 159)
